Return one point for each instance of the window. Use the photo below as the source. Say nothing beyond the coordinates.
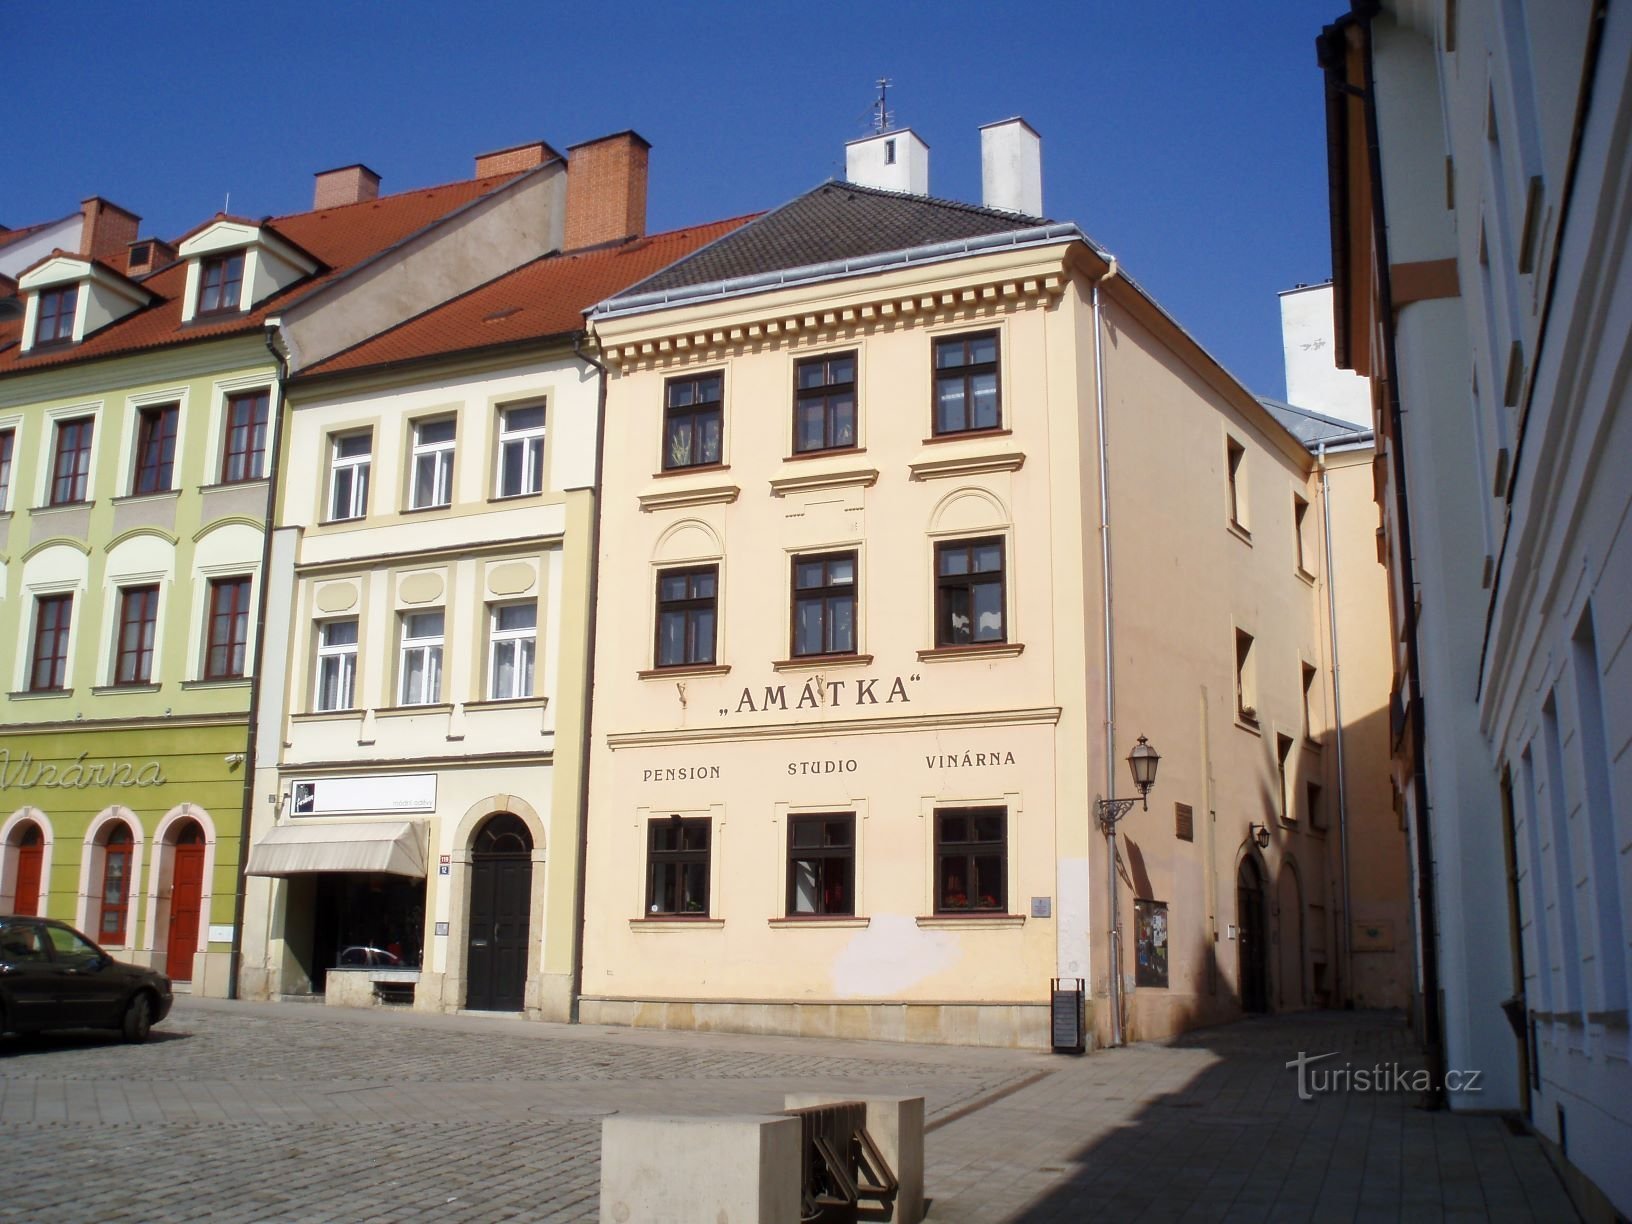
(889, 152)
(138, 618)
(822, 864)
(677, 867)
(337, 665)
(115, 894)
(1317, 813)
(53, 615)
(244, 455)
(824, 403)
(966, 391)
(693, 420)
(155, 449)
(969, 592)
(71, 468)
(1234, 454)
(8, 440)
(1246, 697)
(220, 283)
(1308, 713)
(1283, 758)
(513, 638)
(433, 463)
(228, 629)
(1300, 515)
(971, 860)
(351, 455)
(55, 319)
(421, 673)
(521, 450)
(824, 604)
(686, 602)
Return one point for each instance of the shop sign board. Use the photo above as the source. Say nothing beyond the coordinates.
(364, 793)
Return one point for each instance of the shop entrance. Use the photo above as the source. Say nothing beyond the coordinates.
(186, 897)
(501, 887)
(1250, 941)
(365, 920)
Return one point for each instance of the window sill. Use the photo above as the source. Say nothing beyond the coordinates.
(665, 473)
(946, 922)
(1239, 532)
(312, 716)
(981, 650)
(500, 498)
(407, 711)
(157, 495)
(427, 509)
(507, 703)
(961, 435)
(232, 484)
(103, 690)
(67, 505)
(39, 694)
(703, 669)
(675, 922)
(815, 662)
(821, 921)
(341, 522)
(1304, 575)
(828, 452)
(222, 682)
(1311, 745)
(1248, 724)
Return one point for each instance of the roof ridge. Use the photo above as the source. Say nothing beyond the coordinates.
(940, 201)
(492, 180)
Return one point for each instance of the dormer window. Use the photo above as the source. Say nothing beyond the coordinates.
(56, 317)
(221, 283)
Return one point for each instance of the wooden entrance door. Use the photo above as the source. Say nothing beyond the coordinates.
(186, 898)
(1250, 937)
(501, 888)
(30, 857)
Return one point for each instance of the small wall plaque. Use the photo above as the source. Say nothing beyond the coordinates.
(444, 869)
(1042, 907)
(441, 928)
(220, 932)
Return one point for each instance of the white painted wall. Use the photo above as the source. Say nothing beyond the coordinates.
(893, 161)
(1313, 379)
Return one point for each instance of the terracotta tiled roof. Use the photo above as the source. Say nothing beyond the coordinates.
(546, 297)
(7, 237)
(339, 237)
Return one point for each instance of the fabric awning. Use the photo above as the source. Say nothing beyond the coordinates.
(395, 846)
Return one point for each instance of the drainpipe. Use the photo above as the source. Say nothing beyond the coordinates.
(579, 915)
(1114, 976)
(1346, 954)
(275, 424)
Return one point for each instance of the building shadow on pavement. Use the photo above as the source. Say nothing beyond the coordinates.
(24, 1044)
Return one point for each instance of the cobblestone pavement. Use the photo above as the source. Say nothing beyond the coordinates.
(293, 1112)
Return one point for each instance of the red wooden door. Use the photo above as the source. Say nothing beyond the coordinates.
(186, 895)
(30, 855)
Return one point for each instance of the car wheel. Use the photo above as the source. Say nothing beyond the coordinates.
(138, 1020)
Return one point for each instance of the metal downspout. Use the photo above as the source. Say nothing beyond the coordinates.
(579, 916)
(1347, 951)
(1113, 975)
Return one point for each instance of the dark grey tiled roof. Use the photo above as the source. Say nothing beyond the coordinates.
(1311, 427)
(835, 221)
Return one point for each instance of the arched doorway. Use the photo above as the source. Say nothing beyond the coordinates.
(1251, 943)
(1289, 901)
(501, 887)
(186, 900)
(30, 844)
(114, 896)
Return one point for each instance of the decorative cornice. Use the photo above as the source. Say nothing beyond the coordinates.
(807, 482)
(822, 730)
(967, 465)
(674, 499)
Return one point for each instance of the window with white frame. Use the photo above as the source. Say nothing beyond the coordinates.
(521, 450)
(351, 455)
(337, 665)
(420, 677)
(432, 482)
(513, 639)
(8, 440)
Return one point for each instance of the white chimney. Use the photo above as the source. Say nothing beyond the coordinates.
(893, 161)
(1011, 167)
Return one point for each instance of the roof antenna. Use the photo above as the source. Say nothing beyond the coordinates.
(227, 206)
(883, 117)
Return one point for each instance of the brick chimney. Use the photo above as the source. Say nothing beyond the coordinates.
(606, 190)
(344, 185)
(106, 229)
(514, 159)
(148, 253)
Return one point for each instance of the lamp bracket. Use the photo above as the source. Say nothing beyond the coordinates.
(1110, 811)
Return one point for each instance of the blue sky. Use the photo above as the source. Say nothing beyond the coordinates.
(1186, 138)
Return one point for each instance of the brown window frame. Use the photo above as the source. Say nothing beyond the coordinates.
(228, 270)
(138, 611)
(827, 593)
(966, 852)
(50, 645)
(670, 863)
(244, 443)
(236, 626)
(71, 465)
(828, 395)
(695, 413)
(118, 846)
(49, 313)
(155, 449)
(821, 855)
(946, 584)
(965, 372)
(689, 606)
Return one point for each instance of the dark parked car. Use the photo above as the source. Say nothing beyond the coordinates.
(52, 977)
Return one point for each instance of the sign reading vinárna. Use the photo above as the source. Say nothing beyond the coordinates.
(26, 773)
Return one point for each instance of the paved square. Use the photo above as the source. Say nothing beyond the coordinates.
(291, 1112)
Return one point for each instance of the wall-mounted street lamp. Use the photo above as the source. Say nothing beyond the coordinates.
(1142, 761)
(1259, 835)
